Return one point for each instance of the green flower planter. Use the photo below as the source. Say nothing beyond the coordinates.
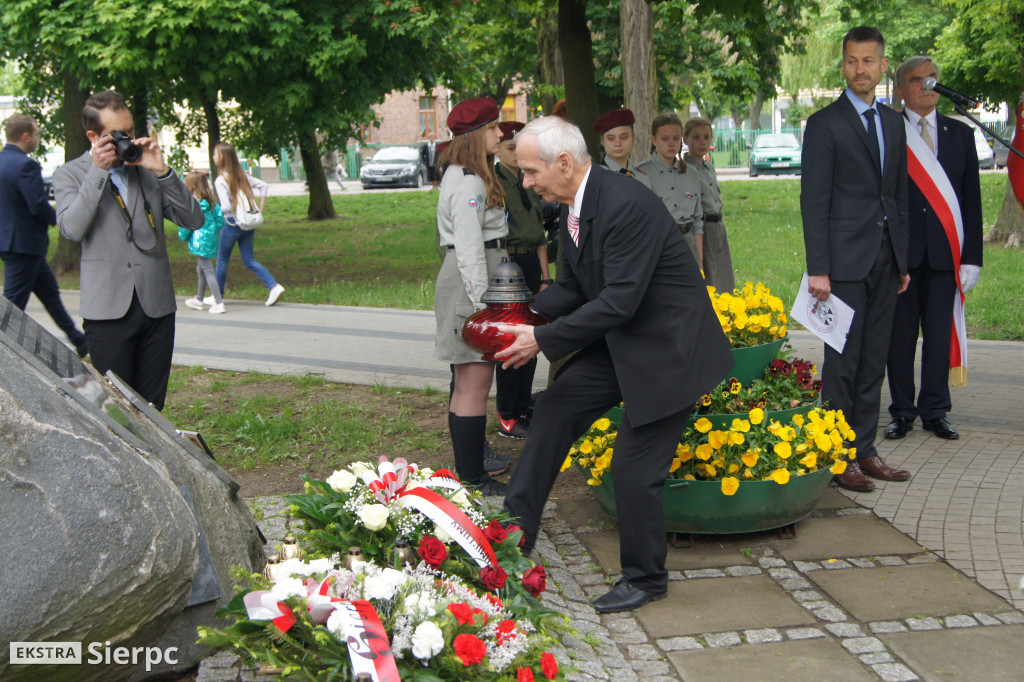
(751, 362)
(700, 507)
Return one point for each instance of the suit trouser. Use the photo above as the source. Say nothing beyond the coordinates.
(138, 348)
(25, 274)
(584, 390)
(515, 386)
(852, 380)
(927, 302)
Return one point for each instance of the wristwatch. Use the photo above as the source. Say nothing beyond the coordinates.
(547, 281)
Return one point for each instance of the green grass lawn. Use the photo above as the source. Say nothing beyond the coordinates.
(379, 252)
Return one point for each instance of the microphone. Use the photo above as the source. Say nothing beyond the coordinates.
(958, 97)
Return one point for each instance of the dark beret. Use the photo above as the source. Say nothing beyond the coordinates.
(471, 114)
(614, 119)
(509, 129)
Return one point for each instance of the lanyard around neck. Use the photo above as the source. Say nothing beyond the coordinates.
(128, 217)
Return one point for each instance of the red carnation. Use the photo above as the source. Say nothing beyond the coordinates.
(432, 551)
(494, 600)
(494, 532)
(548, 665)
(463, 613)
(524, 675)
(535, 580)
(506, 631)
(493, 577)
(471, 651)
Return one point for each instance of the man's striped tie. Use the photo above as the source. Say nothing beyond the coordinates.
(574, 228)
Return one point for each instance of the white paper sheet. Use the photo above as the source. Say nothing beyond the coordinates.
(830, 319)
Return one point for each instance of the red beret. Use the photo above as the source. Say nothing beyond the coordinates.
(471, 114)
(509, 129)
(614, 119)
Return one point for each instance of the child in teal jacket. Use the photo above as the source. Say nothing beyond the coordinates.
(204, 242)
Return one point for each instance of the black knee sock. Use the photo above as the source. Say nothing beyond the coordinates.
(451, 432)
(468, 441)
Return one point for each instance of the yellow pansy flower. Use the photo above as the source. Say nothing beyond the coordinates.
(749, 458)
(567, 463)
(780, 476)
(736, 438)
(703, 425)
(602, 424)
(810, 460)
(586, 447)
(756, 416)
(704, 452)
(733, 468)
(747, 473)
(716, 439)
(783, 450)
(839, 467)
(797, 419)
(823, 442)
(689, 477)
(740, 425)
(730, 484)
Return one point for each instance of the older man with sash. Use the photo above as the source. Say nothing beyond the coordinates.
(945, 254)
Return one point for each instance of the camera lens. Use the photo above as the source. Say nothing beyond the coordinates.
(125, 148)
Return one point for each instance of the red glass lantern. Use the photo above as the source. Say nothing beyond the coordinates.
(508, 302)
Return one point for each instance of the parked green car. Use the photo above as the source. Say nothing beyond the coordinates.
(775, 153)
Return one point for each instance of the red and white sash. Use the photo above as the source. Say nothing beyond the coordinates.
(928, 174)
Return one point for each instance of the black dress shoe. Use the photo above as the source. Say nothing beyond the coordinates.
(898, 427)
(942, 428)
(81, 349)
(625, 597)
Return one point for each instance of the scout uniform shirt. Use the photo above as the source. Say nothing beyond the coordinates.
(680, 192)
(525, 227)
(710, 192)
(612, 165)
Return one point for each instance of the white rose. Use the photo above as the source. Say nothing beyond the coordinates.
(289, 587)
(427, 640)
(342, 480)
(441, 535)
(358, 468)
(460, 498)
(373, 516)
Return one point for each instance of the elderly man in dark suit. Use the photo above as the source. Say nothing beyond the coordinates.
(938, 253)
(853, 200)
(116, 208)
(630, 299)
(25, 218)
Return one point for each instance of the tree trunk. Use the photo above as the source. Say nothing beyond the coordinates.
(140, 112)
(320, 205)
(549, 59)
(1009, 227)
(738, 116)
(755, 110)
(639, 80)
(578, 57)
(212, 128)
(69, 253)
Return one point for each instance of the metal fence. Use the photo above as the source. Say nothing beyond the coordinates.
(732, 147)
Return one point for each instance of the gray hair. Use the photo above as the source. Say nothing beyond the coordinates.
(914, 62)
(556, 135)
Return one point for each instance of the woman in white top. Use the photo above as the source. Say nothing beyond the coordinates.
(234, 186)
(471, 229)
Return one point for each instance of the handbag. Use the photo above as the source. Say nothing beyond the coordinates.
(251, 217)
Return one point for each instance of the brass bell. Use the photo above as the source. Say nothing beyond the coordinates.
(354, 554)
(403, 555)
(290, 549)
(507, 285)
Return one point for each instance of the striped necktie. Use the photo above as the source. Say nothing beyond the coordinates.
(574, 228)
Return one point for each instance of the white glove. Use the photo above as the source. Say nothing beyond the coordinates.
(969, 275)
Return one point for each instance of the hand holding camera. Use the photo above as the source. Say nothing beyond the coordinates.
(118, 145)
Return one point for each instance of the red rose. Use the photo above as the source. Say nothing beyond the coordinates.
(548, 665)
(463, 613)
(471, 650)
(535, 580)
(493, 577)
(513, 528)
(494, 532)
(524, 675)
(432, 551)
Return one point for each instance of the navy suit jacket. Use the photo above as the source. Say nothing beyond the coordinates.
(25, 214)
(845, 202)
(633, 282)
(959, 158)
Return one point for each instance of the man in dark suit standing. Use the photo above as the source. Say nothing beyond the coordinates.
(630, 299)
(116, 208)
(853, 200)
(25, 218)
(946, 176)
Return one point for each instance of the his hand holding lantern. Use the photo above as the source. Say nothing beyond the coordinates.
(508, 303)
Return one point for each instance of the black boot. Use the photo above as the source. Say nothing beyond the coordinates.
(468, 442)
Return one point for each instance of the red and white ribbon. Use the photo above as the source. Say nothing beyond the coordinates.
(368, 645)
(928, 174)
(453, 521)
(262, 605)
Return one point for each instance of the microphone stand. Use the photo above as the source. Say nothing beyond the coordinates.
(963, 112)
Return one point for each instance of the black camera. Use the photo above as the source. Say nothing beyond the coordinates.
(125, 148)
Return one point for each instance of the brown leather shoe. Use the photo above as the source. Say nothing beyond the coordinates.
(854, 479)
(875, 467)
